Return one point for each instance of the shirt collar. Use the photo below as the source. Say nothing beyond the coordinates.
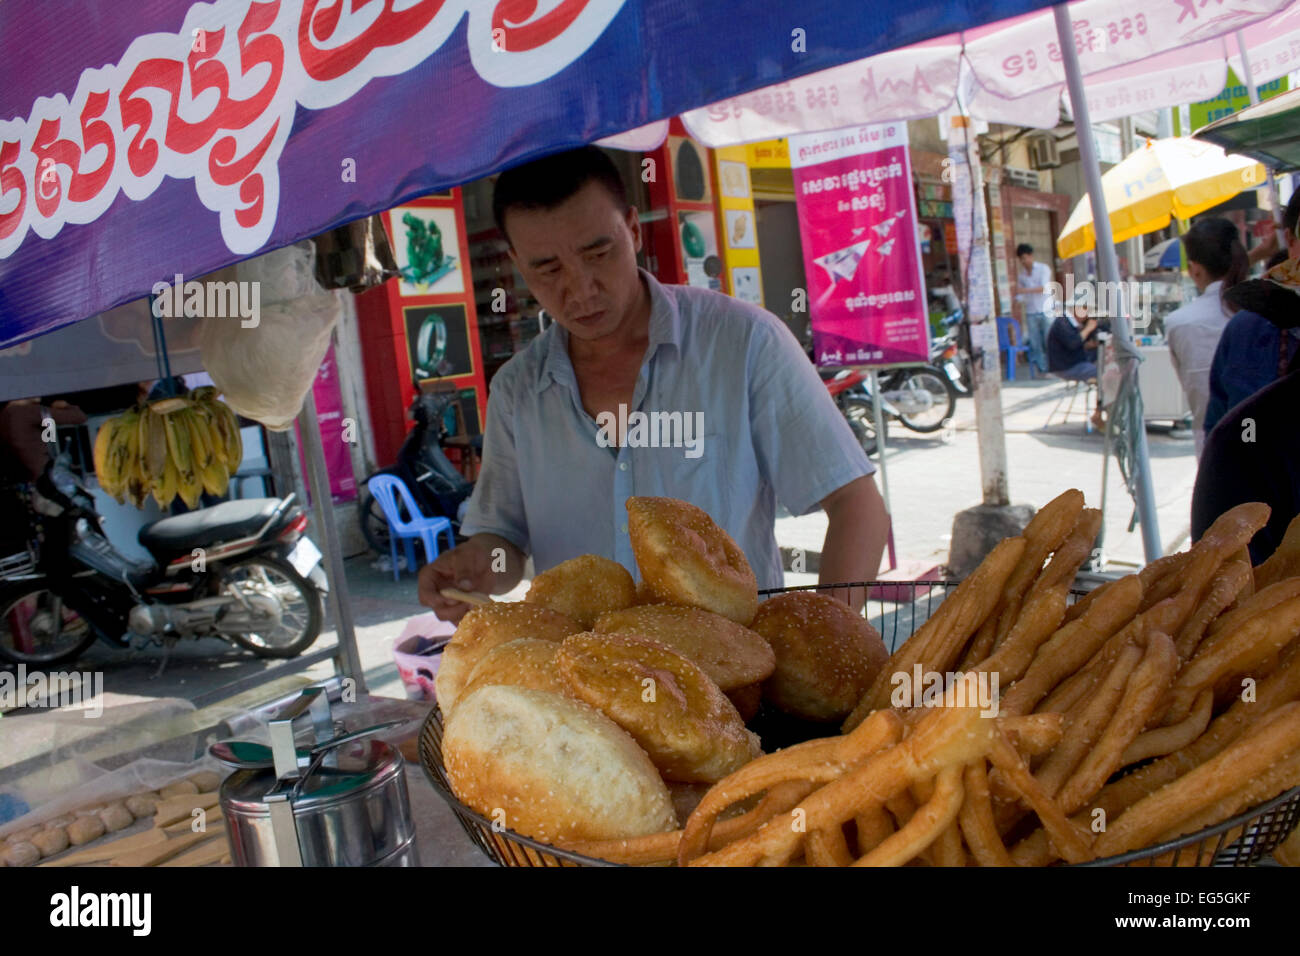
(665, 329)
(1213, 288)
(1069, 317)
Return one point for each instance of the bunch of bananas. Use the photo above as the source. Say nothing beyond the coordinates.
(169, 447)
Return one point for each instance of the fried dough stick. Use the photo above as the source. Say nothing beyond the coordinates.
(817, 761)
(976, 819)
(828, 847)
(1073, 645)
(873, 826)
(1252, 644)
(1143, 693)
(940, 639)
(1085, 723)
(929, 821)
(663, 847)
(947, 736)
(1165, 740)
(1045, 532)
(1285, 562)
(1279, 687)
(1071, 842)
(1043, 609)
(1231, 581)
(1270, 751)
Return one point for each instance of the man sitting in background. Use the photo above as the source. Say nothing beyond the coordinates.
(1071, 345)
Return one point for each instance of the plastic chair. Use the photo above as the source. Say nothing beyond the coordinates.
(1070, 392)
(1008, 334)
(386, 489)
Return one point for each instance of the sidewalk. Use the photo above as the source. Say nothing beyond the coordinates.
(932, 477)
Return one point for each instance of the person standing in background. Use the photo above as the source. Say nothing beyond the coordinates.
(1032, 279)
(1253, 351)
(1216, 261)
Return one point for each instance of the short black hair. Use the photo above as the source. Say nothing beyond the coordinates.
(1291, 216)
(1023, 248)
(547, 182)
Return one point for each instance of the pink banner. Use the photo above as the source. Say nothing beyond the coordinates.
(857, 221)
(329, 411)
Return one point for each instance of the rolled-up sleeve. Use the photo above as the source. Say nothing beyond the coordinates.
(804, 446)
(497, 504)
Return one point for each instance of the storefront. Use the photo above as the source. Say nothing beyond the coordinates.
(461, 309)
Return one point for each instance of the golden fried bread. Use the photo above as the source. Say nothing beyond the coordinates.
(483, 629)
(685, 558)
(826, 656)
(666, 702)
(552, 768)
(527, 662)
(728, 652)
(583, 588)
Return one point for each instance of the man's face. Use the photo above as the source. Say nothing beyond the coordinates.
(1026, 260)
(579, 259)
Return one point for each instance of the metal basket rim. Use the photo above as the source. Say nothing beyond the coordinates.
(1200, 836)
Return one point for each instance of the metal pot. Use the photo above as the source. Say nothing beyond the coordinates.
(352, 811)
(340, 802)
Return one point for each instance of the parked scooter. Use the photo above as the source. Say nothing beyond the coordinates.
(241, 570)
(852, 397)
(438, 488)
(948, 356)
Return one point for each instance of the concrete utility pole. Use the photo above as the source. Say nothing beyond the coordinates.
(977, 530)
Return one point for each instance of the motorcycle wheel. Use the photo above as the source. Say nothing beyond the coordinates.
(942, 394)
(50, 632)
(374, 526)
(301, 615)
(861, 416)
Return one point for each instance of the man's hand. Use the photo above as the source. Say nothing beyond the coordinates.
(484, 563)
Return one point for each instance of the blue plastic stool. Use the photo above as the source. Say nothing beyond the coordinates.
(1007, 329)
(386, 489)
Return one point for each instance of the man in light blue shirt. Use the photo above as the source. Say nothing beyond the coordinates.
(644, 389)
(1032, 279)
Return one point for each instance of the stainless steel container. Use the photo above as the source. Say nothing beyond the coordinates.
(352, 811)
(341, 801)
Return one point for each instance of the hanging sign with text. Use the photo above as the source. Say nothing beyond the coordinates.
(857, 222)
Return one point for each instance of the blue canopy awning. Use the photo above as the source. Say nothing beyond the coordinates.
(162, 137)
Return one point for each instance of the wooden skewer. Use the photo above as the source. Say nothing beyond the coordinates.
(468, 597)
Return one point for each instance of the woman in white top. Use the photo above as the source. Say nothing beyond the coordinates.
(1216, 261)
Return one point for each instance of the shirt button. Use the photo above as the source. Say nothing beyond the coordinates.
(622, 466)
(624, 527)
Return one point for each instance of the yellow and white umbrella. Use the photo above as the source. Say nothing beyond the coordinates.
(1164, 179)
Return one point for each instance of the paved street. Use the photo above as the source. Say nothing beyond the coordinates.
(930, 479)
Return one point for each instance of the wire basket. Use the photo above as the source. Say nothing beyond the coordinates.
(899, 609)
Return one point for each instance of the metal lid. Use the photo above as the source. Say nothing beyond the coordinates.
(346, 772)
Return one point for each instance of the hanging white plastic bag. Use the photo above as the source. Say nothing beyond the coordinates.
(265, 367)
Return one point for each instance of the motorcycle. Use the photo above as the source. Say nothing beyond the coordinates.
(854, 400)
(438, 488)
(948, 356)
(242, 570)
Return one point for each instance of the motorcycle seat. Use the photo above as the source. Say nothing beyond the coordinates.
(228, 521)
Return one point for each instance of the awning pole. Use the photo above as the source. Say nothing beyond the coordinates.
(1249, 80)
(1108, 267)
(323, 510)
